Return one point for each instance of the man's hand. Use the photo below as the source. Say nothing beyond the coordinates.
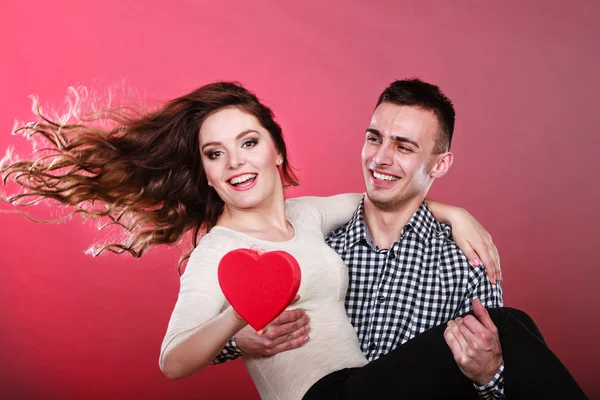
(475, 344)
(286, 332)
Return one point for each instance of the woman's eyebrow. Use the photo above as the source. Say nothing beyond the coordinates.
(237, 137)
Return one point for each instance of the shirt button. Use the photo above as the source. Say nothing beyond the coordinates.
(372, 346)
(381, 299)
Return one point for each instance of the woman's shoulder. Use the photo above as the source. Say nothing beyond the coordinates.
(301, 209)
(214, 244)
(218, 239)
(207, 254)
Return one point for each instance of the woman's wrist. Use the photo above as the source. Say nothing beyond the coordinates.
(445, 213)
(456, 215)
(234, 319)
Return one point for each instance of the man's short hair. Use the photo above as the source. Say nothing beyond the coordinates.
(416, 93)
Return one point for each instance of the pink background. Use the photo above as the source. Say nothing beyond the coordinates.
(524, 80)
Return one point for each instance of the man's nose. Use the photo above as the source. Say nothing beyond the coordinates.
(384, 155)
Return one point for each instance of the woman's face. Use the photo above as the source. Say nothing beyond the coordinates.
(240, 158)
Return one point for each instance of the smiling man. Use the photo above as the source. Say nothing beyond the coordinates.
(406, 273)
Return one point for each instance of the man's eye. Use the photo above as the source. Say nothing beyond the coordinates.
(405, 149)
(372, 139)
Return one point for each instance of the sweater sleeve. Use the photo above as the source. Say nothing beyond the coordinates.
(330, 212)
(200, 297)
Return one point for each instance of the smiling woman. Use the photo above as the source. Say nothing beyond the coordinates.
(142, 172)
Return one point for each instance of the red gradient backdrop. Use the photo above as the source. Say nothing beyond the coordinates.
(523, 77)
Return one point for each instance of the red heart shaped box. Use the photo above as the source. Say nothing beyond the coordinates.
(259, 288)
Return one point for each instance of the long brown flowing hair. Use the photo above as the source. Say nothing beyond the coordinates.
(143, 172)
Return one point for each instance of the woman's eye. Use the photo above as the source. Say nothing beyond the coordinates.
(250, 143)
(213, 154)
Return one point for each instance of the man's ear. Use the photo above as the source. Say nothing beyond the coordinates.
(442, 165)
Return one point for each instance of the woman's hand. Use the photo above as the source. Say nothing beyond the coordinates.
(286, 332)
(471, 237)
(257, 249)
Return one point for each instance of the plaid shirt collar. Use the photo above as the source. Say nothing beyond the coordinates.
(422, 223)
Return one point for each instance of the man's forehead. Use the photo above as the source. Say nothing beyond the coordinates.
(394, 119)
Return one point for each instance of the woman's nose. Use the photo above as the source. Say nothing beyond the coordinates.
(236, 160)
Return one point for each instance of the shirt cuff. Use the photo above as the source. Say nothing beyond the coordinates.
(494, 389)
(230, 352)
(239, 351)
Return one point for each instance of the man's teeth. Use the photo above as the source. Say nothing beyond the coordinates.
(383, 177)
(242, 178)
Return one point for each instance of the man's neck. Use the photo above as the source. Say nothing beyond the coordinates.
(385, 226)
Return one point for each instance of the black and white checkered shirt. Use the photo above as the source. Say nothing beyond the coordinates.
(421, 281)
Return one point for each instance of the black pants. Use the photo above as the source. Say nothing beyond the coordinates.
(424, 368)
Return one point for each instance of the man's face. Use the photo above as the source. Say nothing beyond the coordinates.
(397, 157)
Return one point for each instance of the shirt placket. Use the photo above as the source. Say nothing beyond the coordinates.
(378, 304)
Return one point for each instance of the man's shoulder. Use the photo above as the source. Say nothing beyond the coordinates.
(454, 261)
(449, 250)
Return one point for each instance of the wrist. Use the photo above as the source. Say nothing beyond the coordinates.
(491, 378)
(446, 213)
(233, 342)
(454, 215)
(235, 319)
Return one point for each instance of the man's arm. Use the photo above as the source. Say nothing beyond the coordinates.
(476, 347)
(475, 344)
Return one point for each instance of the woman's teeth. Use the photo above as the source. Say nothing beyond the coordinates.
(241, 179)
(383, 177)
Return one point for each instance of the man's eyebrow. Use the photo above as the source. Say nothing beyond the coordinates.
(374, 132)
(237, 137)
(395, 138)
